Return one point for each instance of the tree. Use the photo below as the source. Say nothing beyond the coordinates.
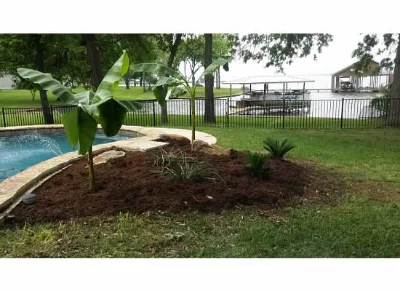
(191, 51)
(90, 108)
(386, 43)
(280, 49)
(25, 50)
(169, 78)
(209, 110)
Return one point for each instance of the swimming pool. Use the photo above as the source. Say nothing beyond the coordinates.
(22, 150)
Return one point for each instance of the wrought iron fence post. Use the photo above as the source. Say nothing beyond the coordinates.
(154, 114)
(341, 114)
(4, 117)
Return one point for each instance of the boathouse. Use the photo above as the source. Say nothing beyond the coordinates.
(349, 79)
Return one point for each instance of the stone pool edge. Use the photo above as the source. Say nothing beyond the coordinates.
(15, 186)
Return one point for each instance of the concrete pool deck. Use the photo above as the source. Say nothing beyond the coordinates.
(15, 186)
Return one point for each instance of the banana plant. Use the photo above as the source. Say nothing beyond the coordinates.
(172, 83)
(91, 108)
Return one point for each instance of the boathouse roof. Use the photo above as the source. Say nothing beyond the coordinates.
(350, 70)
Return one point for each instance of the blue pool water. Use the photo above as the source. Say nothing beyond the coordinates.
(21, 151)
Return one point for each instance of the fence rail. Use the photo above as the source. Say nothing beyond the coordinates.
(307, 114)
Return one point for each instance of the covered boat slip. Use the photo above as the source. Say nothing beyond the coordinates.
(264, 95)
(351, 79)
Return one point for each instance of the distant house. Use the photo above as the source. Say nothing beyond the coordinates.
(6, 81)
(350, 80)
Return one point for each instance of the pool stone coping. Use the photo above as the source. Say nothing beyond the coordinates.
(15, 186)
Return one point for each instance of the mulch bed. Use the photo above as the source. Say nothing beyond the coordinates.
(128, 184)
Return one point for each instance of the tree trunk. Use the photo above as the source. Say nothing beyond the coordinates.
(39, 60)
(394, 111)
(172, 54)
(209, 113)
(126, 78)
(174, 49)
(94, 58)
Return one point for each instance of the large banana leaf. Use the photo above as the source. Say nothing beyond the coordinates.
(111, 115)
(178, 92)
(131, 105)
(160, 95)
(158, 69)
(169, 81)
(80, 127)
(84, 97)
(214, 66)
(112, 79)
(47, 82)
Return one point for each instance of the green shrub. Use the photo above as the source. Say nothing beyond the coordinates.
(178, 166)
(277, 148)
(256, 165)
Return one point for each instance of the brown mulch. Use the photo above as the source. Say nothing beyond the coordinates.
(129, 184)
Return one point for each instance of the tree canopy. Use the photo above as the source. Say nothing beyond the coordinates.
(280, 49)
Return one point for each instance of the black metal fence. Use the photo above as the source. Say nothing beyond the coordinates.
(310, 114)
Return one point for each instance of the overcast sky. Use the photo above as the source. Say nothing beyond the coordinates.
(333, 58)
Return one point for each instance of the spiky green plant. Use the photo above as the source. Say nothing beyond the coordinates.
(178, 166)
(278, 148)
(257, 165)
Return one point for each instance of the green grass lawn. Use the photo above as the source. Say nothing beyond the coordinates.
(358, 225)
(23, 98)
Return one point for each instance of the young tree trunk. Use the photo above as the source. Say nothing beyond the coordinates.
(394, 111)
(39, 60)
(97, 76)
(209, 113)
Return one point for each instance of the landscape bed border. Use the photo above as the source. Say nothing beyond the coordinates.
(15, 186)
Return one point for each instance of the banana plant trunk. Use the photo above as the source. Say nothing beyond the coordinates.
(164, 114)
(209, 109)
(97, 76)
(193, 113)
(92, 182)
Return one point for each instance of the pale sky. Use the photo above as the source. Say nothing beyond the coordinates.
(333, 58)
